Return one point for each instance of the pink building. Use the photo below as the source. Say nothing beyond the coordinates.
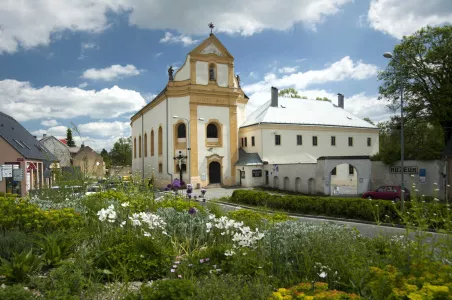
(22, 156)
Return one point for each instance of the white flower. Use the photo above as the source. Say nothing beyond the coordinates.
(122, 224)
(448, 185)
(322, 275)
(416, 190)
(435, 183)
(164, 232)
(437, 190)
(125, 204)
(436, 199)
(174, 267)
(412, 175)
(229, 252)
(211, 217)
(172, 270)
(223, 233)
(146, 234)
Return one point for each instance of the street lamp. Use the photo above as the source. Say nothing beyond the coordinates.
(188, 144)
(402, 144)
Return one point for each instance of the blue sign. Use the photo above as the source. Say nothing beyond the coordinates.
(422, 175)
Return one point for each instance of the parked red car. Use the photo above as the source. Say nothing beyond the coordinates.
(387, 193)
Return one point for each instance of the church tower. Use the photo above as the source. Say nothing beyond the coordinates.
(194, 122)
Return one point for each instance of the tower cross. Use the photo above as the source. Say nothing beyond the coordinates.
(211, 26)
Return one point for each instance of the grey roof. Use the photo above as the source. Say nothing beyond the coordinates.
(248, 159)
(22, 140)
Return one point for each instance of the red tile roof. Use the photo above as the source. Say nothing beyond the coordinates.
(63, 141)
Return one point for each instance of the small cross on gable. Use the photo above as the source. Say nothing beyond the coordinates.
(211, 26)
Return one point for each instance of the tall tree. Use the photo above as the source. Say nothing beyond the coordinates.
(69, 140)
(422, 63)
(289, 92)
(425, 140)
(121, 153)
(369, 120)
(106, 157)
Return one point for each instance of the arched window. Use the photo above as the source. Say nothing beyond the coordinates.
(134, 147)
(212, 131)
(152, 142)
(160, 140)
(160, 168)
(139, 145)
(181, 131)
(212, 72)
(145, 145)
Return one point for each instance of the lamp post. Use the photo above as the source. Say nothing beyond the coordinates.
(188, 146)
(402, 143)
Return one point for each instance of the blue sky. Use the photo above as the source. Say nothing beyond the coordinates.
(94, 63)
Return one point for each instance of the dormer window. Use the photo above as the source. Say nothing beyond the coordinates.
(212, 72)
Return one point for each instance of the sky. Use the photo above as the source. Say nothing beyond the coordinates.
(93, 63)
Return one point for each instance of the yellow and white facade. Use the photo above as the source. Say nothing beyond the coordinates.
(201, 110)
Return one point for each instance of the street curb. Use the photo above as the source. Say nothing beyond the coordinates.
(312, 216)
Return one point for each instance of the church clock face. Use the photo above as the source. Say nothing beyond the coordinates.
(211, 49)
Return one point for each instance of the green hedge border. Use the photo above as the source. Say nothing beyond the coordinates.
(349, 208)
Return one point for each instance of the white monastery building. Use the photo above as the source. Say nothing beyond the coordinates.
(199, 124)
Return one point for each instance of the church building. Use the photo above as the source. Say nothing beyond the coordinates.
(198, 126)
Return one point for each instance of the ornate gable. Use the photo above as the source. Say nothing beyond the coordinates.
(212, 46)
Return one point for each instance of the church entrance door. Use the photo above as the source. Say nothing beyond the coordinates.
(214, 172)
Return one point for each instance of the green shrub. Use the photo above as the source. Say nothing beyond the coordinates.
(54, 247)
(21, 214)
(255, 219)
(351, 208)
(131, 257)
(14, 241)
(20, 266)
(15, 292)
(172, 289)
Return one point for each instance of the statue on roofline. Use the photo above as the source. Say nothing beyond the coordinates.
(238, 79)
(170, 73)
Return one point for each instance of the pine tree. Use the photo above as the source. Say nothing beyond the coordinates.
(69, 140)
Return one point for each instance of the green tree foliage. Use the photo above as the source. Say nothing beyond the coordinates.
(369, 120)
(423, 140)
(69, 140)
(293, 93)
(423, 64)
(121, 153)
(107, 159)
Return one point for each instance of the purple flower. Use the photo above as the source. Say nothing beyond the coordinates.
(201, 260)
(207, 259)
(203, 191)
(168, 185)
(166, 189)
(182, 183)
(172, 270)
(192, 211)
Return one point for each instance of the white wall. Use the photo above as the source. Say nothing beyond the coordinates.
(292, 172)
(222, 115)
(241, 112)
(289, 151)
(257, 148)
(184, 72)
(249, 180)
(222, 75)
(152, 120)
(202, 72)
(381, 175)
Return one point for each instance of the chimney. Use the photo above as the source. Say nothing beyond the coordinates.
(274, 97)
(44, 135)
(340, 100)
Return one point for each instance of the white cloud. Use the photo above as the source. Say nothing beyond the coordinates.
(158, 54)
(341, 70)
(19, 29)
(49, 123)
(288, 70)
(85, 47)
(105, 129)
(83, 85)
(24, 102)
(299, 60)
(57, 131)
(149, 96)
(399, 18)
(169, 38)
(111, 73)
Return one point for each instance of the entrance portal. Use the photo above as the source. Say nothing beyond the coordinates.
(214, 172)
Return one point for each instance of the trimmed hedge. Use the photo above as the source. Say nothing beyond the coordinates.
(350, 208)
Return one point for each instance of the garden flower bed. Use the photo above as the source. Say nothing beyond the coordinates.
(127, 245)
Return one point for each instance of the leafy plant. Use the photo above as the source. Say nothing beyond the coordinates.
(20, 266)
(54, 247)
(16, 292)
(172, 289)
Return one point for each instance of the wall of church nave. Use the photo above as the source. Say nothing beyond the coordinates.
(299, 178)
(221, 73)
(220, 116)
(288, 151)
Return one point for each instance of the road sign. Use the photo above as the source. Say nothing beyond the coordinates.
(7, 170)
(18, 174)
